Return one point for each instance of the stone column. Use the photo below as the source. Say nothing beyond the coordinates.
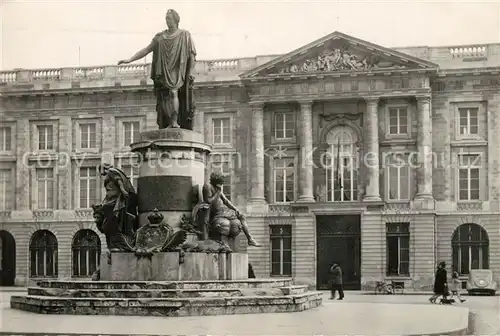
(371, 153)
(257, 157)
(424, 145)
(306, 149)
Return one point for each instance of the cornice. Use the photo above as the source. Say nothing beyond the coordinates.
(361, 95)
(323, 75)
(110, 89)
(488, 71)
(78, 91)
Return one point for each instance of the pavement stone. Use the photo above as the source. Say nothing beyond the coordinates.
(379, 315)
(409, 292)
(12, 289)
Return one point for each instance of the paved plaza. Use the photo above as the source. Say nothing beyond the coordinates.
(392, 315)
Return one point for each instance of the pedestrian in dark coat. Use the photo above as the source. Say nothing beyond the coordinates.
(251, 273)
(440, 283)
(336, 283)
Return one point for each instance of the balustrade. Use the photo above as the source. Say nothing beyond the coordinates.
(471, 52)
(112, 71)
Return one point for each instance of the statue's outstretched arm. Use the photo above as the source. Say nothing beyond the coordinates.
(138, 55)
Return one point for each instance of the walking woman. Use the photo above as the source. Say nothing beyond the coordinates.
(440, 283)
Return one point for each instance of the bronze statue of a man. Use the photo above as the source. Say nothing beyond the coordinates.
(174, 57)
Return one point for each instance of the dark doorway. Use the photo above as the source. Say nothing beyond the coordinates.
(8, 262)
(339, 241)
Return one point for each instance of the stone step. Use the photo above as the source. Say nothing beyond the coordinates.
(167, 306)
(215, 284)
(165, 293)
(133, 293)
(296, 289)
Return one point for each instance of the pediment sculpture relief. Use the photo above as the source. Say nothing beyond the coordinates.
(339, 60)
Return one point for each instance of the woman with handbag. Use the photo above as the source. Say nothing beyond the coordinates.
(440, 283)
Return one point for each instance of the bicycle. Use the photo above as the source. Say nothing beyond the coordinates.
(388, 288)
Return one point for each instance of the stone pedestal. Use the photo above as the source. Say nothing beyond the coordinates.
(172, 170)
(237, 266)
(171, 266)
(125, 266)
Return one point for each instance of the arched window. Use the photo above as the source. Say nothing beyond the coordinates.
(470, 247)
(43, 254)
(86, 252)
(342, 165)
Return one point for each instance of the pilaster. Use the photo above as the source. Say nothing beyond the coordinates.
(22, 188)
(424, 145)
(199, 122)
(371, 154)
(63, 171)
(306, 153)
(257, 199)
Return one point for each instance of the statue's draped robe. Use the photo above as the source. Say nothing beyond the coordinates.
(173, 55)
(124, 209)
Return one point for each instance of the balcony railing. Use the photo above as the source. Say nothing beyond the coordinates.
(212, 67)
(469, 52)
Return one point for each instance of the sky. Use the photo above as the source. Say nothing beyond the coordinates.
(70, 33)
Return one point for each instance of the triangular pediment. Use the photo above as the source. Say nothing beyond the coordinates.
(337, 53)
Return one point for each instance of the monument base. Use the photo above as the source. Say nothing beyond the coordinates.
(173, 266)
(174, 298)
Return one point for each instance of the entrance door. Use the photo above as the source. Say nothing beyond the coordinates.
(339, 241)
(8, 259)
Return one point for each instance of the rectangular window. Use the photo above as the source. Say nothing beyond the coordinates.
(5, 139)
(132, 173)
(131, 131)
(398, 121)
(88, 136)
(398, 177)
(221, 131)
(284, 125)
(6, 192)
(45, 188)
(281, 250)
(398, 249)
(88, 183)
(468, 176)
(45, 137)
(468, 121)
(284, 180)
(223, 164)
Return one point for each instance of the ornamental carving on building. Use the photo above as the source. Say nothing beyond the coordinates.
(339, 60)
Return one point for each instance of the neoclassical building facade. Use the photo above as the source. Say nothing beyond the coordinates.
(384, 160)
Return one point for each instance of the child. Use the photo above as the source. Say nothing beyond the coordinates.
(455, 286)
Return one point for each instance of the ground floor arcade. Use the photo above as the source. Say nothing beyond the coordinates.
(370, 245)
(374, 246)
